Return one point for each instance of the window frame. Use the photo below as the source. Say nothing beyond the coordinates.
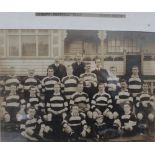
(5, 45)
(20, 34)
(124, 45)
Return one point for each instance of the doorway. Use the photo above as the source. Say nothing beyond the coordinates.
(132, 60)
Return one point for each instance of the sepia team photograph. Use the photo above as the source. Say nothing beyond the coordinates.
(76, 85)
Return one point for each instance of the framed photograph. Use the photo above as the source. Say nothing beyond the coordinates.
(77, 77)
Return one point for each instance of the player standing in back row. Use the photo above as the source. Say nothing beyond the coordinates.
(135, 84)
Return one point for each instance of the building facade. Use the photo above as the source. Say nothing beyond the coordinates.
(24, 48)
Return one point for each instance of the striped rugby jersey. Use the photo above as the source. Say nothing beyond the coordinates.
(12, 80)
(101, 102)
(74, 121)
(143, 102)
(33, 123)
(31, 81)
(89, 77)
(123, 96)
(81, 100)
(57, 103)
(69, 86)
(113, 82)
(48, 83)
(135, 85)
(128, 119)
(14, 101)
(34, 102)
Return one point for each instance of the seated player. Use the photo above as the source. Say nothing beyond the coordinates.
(74, 124)
(4, 116)
(144, 109)
(47, 133)
(113, 85)
(29, 81)
(80, 99)
(104, 129)
(69, 83)
(57, 107)
(13, 104)
(128, 121)
(34, 101)
(90, 81)
(12, 79)
(48, 84)
(101, 103)
(122, 97)
(33, 127)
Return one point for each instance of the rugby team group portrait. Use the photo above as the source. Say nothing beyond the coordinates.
(76, 102)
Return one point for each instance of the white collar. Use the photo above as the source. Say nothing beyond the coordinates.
(57, 65)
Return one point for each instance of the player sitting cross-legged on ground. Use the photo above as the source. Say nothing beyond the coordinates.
(128, 121)
(74, 125)
(33, 127)
(105, 129)
(4, 116)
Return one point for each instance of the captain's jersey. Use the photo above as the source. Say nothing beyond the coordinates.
(69, 86)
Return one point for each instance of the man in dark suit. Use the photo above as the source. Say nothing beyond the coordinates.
(78, 66)
(101, 73)
(59, 69)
